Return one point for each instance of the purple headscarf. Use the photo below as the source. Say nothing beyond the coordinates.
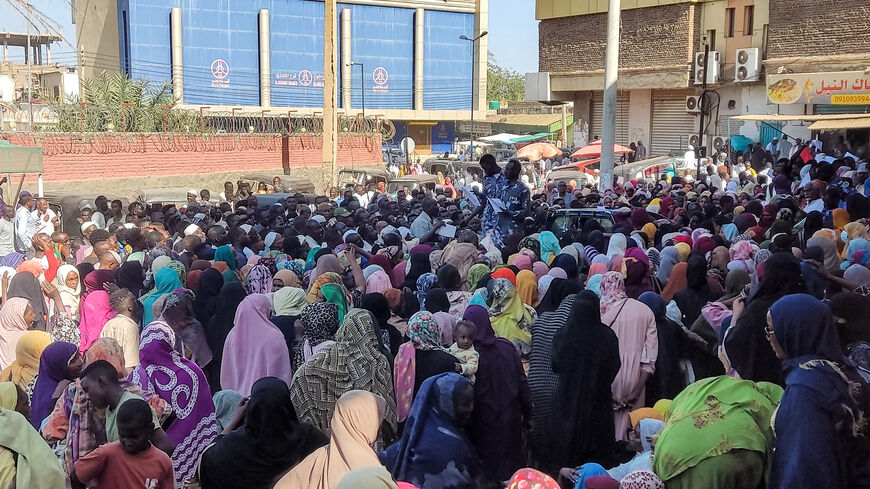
(52, 370)
(182, 384)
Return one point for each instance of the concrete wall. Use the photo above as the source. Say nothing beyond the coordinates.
(823, 28)
(97, 36)
(123, 163)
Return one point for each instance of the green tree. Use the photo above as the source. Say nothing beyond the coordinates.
(503, 84)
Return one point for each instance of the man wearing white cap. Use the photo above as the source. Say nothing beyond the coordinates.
(773, 148)
(860, 179)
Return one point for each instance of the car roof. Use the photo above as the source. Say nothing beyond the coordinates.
(75, 198)
(291, 182)
(418, 178)
(381, 172)
(168, 194)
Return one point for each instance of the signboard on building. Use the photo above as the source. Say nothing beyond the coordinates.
(836, 88)
(480, 128)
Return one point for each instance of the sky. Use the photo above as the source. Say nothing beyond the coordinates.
(513, 31)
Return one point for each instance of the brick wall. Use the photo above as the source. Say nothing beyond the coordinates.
(662, 36)
(83, 157)
(818, 28)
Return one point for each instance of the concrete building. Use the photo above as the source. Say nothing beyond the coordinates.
(750, 41)
(268, 55)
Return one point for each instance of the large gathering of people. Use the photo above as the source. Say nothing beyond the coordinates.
(705, 333)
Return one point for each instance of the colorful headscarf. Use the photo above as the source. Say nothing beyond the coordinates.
(259, 280)
(335, 294)
(475, 273)
(549, 246)
(423, 334)
(320, 323)
(424, 283)
(612, 291)
(509, 317)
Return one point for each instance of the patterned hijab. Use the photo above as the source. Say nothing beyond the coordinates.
(424, 283)
(423, 334)
(354, 362)
(611, 291)
(259, 280)
(320, 322)
(181, 383)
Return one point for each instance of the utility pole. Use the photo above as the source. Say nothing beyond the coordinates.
(330, 122)
(472, 41)
(611, 74)
(702, 104)
(29, 75)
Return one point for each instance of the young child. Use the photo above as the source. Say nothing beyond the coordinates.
(123, 328)
(463, 349)
(132, 462)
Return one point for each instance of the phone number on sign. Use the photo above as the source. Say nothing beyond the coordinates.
(863, 98)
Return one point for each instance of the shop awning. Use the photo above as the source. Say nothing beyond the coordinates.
(841, 124)
(531, 137)
(798, 117)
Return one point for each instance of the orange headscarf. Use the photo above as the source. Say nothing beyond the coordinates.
(527, 287)
(505, 273)
(676, 282)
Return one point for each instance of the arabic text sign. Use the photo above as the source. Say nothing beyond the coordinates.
(839, 88)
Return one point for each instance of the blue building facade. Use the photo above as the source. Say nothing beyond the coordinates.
(221, 47)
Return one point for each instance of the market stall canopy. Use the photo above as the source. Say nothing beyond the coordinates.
(500, 138)
(841, 124)
(530, 137)
(20, 159)
(538, 151)
(594, 150)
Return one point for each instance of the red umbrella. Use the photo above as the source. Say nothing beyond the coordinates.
(538, 151)
(594, 150)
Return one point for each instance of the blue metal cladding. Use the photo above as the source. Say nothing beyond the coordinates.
(447, 61)
(382, 39)
(221, 52)
(442, 137)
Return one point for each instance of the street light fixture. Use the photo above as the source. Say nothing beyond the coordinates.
(472, 41)
(362, 83)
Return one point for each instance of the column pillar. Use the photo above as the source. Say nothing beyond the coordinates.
(265, 59)
(330, 121)
(481, 50)
(419, 53)
(346, 60)
(176, 54)
(48, 53)
(582, 116)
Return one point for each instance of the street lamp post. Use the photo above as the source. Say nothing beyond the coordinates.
(472, 41)
(362, 84)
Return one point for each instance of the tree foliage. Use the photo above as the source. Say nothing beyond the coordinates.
(503, 84)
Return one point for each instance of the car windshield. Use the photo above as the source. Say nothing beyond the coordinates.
(565, 222)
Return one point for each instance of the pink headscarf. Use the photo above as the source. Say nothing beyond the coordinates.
(255, 348)
(596, 269)
(715, 313)
(612, 290)
(95, 312)
(523, 262)
(12, 328)
(378, 282)
(557, 272)
(540, 268)
(616, 263)
(398, 274)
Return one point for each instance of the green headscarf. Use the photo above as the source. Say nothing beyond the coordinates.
(309, 260)
(334, 294)
(226, 255)
(713, 417)
(165, 281)
(475, 273)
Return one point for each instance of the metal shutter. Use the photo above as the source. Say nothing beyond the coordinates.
(622, 108)
(841, 109)
(671, 124)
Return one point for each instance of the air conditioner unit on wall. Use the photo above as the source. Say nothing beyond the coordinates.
(692, 104)
(747, 67)
(692, 140)
(716, 143)
(714, 65)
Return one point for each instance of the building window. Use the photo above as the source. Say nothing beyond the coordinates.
(748, 14)
(711, 39)
(729, 22)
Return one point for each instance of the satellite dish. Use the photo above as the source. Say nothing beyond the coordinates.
(407, 145)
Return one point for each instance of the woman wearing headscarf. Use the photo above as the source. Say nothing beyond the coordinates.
(527, 288)
(511, 319)
(637, 277)
(718, 434)
(676, 281)
(697, 292)
(635, 326)
(549, 246)
(59, 364)
(475, 273)
(165, 281)
(353, 362)
(218, 327)
(318, 282)
(421, 357)
(190, 340)
(424, 283)
(208, 291)
(647, 430)
(319, 325)
(95, 311)
(823, 239)
(181, 383)
(434, 447)
(25, 285)
(22, 372)
(285, 278)
(224, 254)
(254, 348)
(668, 379)
(669, 257)
(259, 280)
(824, 404)
(25, 459)
(450, 279)
(70, 288)
(16, 318)
(389, 336)
(378, 281)
(745, 343)
(557, 291)
(568, 263)
(355, 424)
(418, 264)
(260, 446)
(288, 303)
(586, 359)
(129, 276)
(501, 399)
(616, 246)
(461, 255)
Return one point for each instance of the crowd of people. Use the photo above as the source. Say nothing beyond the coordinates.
(714, 334)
